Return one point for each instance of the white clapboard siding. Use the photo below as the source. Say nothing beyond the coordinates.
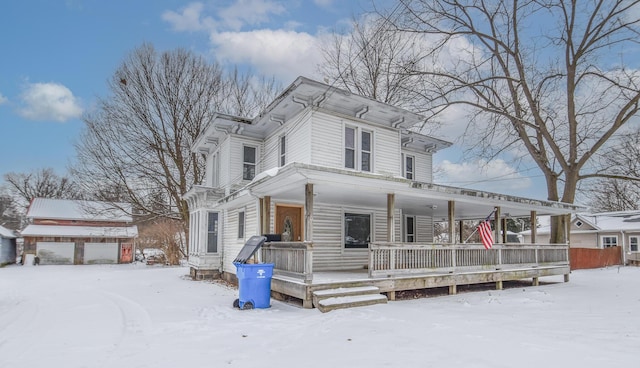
(424, 229)
(328, 137)
(225, 160)
(232, 244)
(423, 170)
(296, 131)
(326, 140)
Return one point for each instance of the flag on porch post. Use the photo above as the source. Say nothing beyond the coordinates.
(484, 229)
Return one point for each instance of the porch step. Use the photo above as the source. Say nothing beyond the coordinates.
(330, 299)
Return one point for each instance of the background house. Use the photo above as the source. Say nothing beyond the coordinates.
(79, 232)
(7, 246)
(615, 234)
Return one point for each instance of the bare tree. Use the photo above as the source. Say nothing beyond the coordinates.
(618, 194)
(41, 183)
(136, 146)
(547, 78)
(370, 59)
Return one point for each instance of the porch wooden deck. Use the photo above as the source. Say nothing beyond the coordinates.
(397, 267)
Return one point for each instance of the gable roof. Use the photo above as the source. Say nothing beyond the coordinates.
(66, 209)
(6, 233)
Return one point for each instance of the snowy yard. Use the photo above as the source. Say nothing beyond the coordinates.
(142, 316)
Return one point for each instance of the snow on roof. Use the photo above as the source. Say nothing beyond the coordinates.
(65, 209)
(6, 233)
(603, 222)
(81, 231)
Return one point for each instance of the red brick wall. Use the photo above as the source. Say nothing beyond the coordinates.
(583, 258)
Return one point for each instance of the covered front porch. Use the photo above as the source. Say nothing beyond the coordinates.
(392, 256)
(397, 267)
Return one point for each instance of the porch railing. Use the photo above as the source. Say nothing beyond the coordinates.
(291, 259)
(393, 259)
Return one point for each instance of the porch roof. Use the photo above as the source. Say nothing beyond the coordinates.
(357, 189)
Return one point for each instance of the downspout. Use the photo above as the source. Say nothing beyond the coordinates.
(624, 252)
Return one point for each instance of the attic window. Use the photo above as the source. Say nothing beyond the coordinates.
(578, 223)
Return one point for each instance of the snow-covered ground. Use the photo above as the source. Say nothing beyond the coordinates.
(142, 316)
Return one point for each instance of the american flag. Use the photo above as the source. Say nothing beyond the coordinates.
(484, 229)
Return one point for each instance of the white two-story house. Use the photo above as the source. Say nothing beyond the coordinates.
(330, 169)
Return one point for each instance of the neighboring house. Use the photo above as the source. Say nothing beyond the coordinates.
(338, 178)
(79, 232)
(601, 231)
(7, 246)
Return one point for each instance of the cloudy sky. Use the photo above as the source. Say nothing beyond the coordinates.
(60, 54)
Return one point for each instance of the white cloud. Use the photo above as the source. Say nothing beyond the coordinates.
(49, 101)
(323, 3)
(3, 99)
(249, 12)
(190, 19)
(494, 176)
(285, 54)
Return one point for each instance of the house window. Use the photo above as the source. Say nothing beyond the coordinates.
(410, 229)
(349, 148)
(215, 172)
(249, 167)
(609, 241)
(409, 166)
(241, 225)
(578, 223)
(358, 153)
(633, 243)
(357, 230)
(283, 150)
(212, 232)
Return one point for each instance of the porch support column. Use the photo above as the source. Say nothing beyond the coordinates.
(567, 228)
(498, 235)
(391, 203)
(534, 227)
(452, 223)
(499, 285)
(504, 233)
(453, 289)
(266, 215)
(308, 212)
(536, 282)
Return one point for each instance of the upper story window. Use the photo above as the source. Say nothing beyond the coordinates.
(249, 165)
(609, 241)
(215, 175)
(358, 149)
(409, 167)
(283, 150)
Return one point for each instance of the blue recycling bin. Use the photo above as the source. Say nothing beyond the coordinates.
(254, 285)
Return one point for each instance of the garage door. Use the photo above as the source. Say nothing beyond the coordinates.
(55, 253)
(97, 253)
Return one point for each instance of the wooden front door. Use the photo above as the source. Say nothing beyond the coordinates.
(289, 223)
(126, 253)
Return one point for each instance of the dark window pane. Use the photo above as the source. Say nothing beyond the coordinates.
(250, 154)
(410, 225)
(366, 141)
(248, 172)
(349, 138)
(212, 233)
(366, 164)
(349, 158)
(240, 225)
(357, 230)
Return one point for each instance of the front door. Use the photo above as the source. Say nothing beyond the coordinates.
(126, 253)
(289, 222)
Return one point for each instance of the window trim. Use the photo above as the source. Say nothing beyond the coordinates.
(344, 229)
(245, 163)
(242, 224)
(216, 231)
(602, 244)
(406, 233)
(283, 150)
(405, 173)
(637, 237)
(357, 149)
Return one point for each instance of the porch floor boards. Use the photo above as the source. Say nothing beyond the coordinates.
(357, 278)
